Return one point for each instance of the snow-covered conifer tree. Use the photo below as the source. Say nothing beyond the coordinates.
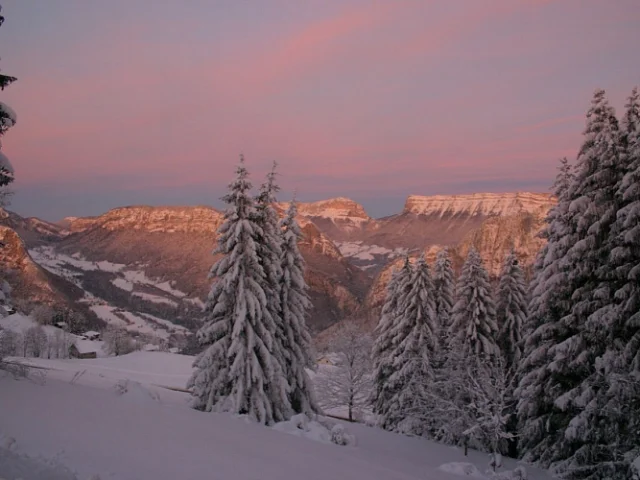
(238, 371)
(386, 341)
(268, 241)
(625, 389)
(550, 302)
(605, 433)
(295, 338)
(444, 284)
(626, 253)
(473, 328)
(593, 210)
(511, 309)
(417, 336)
(7, 120)
(564, 425)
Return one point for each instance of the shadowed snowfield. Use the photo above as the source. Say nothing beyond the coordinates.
(111, 417)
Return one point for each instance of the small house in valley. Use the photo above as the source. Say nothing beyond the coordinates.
(83, 349)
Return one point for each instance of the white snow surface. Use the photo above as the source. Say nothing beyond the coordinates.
(113, 420)
(20, 323)
(463, 469)
(154, 298)
(123, 284)
(367, 253)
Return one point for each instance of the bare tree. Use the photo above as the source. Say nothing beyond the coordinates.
(43, 314)
(76, 321)
(117, 341)
(8, 343)
(347, 382)
(35, 341)
(473, 405)
(62, 342)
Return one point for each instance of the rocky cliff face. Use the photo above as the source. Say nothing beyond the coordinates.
(339, 218)
(424, 221)
(479, 204)
(28, 280)
(493, 239)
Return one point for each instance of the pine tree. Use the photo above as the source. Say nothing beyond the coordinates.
(550, 302)
(511, 310)
(593, 210)
(382, 345)
(268, 241)
(571, 383)
(416, 333)
(7, 120)
(444, 285)
(612, 439)
(386, 342)
(474, 329)
(295, 337)
(237, 371)
(626, 253)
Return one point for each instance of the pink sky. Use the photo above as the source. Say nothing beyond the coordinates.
(120, 104)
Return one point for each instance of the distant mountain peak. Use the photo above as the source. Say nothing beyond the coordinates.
(484, 204)
(153, 219)
(340, 209)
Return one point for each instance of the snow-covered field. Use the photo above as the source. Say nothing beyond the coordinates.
(113, 417)
(128, 279)
(368, 256)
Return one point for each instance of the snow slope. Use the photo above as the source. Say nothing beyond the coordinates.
(111, 421)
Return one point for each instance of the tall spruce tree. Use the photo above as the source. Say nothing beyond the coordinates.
(573, 378)
(626, 253)
(511, 310)
(607, 428)
(238, 371)
(386, 341)
(417, 337)
(268, 240)
(473, 328)
(444, 284)
(550, 302)
(593, 210)
(7, 120)
(295, 303)
(382, 345)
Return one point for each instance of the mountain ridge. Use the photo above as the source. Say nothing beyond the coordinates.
(348, 253)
